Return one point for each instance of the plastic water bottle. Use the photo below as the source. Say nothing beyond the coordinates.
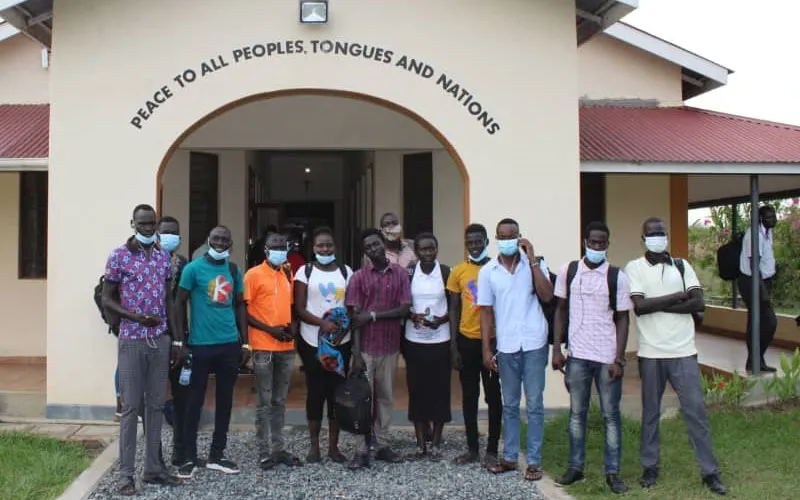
(186, 371)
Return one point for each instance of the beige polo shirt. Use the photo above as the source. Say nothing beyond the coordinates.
(662, 334)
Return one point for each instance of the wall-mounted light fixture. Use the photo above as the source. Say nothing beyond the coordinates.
(308, 170)
(314, 12)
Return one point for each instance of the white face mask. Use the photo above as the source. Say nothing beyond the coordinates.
(656, 244)
(392, 233)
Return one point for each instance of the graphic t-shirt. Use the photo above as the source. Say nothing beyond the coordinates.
(326, 291)
(463, 280)
(212, 291)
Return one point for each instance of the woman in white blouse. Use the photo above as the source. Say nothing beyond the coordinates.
(427, 347)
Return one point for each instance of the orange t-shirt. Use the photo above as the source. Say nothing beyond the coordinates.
(269, 297)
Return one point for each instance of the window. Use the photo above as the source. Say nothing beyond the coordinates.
(32, 225)
(417, 194)
(203, 197)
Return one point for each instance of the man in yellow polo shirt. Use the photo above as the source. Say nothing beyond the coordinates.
(268, 295)
(466, 348)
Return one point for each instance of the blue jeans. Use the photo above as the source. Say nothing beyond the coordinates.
(580, 374)
(523, 369)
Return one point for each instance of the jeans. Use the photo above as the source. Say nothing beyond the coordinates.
(223, 361)
(143, 381)
(768, 322)
(683, 375)
(517, 370)
(580, 374)
(471, 373)
(273, 374)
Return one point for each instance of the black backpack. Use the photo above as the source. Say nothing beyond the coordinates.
(572, 270)
(353, 405)
(728, 256)
(110, 319)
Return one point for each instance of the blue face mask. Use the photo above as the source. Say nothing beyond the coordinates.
(218, 255)
(145, 240)
(480, 257)
(325, 259)
(277, 257)
(508, 247)
(170, 242)
(595, 256)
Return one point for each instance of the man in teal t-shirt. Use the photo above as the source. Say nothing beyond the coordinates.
(214, 288)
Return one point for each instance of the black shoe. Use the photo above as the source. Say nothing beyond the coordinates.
(616, 484)
(768, 369)
(162, 479)
(715, 484)
(222, 464)
(572, 476)
(649, 477)
(387, 455)
(186, 470)
(360, 461)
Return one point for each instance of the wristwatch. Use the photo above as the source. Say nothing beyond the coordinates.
(247, 347)
(621, 362)
(374, 316)
(177, 343)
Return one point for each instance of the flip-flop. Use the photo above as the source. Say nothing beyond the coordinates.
(534, 473)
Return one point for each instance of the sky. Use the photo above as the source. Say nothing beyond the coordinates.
(758, 43)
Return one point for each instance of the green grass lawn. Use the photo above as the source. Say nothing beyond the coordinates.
(758, 451)
(38, 468)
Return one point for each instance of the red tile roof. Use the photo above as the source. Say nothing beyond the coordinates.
(683, 134)
(24, 130)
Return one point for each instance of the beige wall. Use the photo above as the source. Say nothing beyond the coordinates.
(630, 199)
(22, 302)
(23, 80)
(611, 69)
(734, 321)
(536, 114)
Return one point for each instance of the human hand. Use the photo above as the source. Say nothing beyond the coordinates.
(328, 327)
(245, 355)
(177, 355)
(148, 320)
(615, 371)
(559, 360)
(526, 246)
(418, 319)
(455, 359)
(361, 319)
(489, 360)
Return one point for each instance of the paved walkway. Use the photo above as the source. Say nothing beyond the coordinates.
(104, 434)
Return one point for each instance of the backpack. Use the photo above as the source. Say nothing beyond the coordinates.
(310, 267)
(109, 319)
(353, 405)
(699, 316)
(728, 256)
(612, 277)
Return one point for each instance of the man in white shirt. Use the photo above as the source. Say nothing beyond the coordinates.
(509, 289)
(767, 319)
(665, 292)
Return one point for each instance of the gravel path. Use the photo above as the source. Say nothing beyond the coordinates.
(328, 480)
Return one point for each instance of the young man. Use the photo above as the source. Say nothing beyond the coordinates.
(509, 290)
(218, 337)
(139, 273)
(598, 334)
(467, 351)
(169, 235)
(767, 319)
(379, 296)
(664, 299)
(268, 295)
(399, 250)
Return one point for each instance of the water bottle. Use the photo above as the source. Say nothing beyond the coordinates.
(186, 371)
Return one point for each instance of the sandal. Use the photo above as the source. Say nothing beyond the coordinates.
(289, 460)
(534, 473)
(467, 458)
(267, 463)
(502, 467)
(417, 455)
(126, 486)
(435, 453)
(489, 460)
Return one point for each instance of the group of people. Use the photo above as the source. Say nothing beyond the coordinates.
(487, 317)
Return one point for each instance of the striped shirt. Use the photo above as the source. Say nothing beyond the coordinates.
(373, 290)
(592, 331)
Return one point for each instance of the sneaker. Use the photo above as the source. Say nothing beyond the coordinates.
(373, 442)
(616, 484)
(572, 476)
(222, 464)
(649, 477)
(186, 471)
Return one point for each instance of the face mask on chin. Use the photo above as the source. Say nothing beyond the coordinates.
(145, 240)
(214, 254)
(325, 259)
(595, 256)
(480, 257)
(656, 244)
(392, 233)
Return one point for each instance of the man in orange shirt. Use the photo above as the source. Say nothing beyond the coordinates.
(268, 295)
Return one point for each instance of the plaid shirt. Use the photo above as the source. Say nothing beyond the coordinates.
(374, 290)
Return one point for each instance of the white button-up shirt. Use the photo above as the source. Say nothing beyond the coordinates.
(767, 265)
(518, 316)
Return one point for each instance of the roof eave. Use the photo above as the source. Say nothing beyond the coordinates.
(7, 31)
(35, 25)
(671, 167)
(591, 20)
(23, 164)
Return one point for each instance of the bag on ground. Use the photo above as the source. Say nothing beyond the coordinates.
(354, 405)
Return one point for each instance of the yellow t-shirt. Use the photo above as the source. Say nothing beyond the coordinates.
(464, 281)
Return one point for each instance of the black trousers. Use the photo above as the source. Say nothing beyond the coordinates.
(471, 374)
(223, 361)
(768, 322)
(180, 404)
(321, 383)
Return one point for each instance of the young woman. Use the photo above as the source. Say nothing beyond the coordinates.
(325, 339)
(427, 347)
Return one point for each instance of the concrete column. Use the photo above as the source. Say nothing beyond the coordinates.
(233, 199)
(388, 183)
(175, 189)
(448, 208)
